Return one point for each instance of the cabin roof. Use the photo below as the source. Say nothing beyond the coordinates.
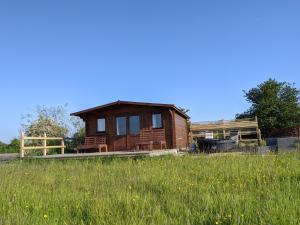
(160, 105)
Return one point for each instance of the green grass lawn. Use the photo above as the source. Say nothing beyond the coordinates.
(234, 189)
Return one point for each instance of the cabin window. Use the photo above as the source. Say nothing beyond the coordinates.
(134, 125)
(121, 126)
(157, 121)
(101, 125)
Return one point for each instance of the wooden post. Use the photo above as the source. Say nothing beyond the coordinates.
(22, 145)
(62, 146)
(45, 145)
(259, 137)
(299, 138)
(258, 132)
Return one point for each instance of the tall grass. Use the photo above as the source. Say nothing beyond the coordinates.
(235, 189)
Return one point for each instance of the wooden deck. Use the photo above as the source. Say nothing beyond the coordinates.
(223, 128)
(120, 154)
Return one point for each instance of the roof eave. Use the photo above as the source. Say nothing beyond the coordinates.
(80, 113)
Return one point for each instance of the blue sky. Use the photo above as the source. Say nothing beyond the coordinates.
(195, 54)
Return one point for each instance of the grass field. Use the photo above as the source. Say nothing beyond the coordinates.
(234, 189)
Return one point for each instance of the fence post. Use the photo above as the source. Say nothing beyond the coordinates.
(299, 138)
(259, 137)
(22, 145)
(62, 146)
(45, 145)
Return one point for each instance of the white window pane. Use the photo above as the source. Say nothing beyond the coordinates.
(134, 125)
(101, 125)
(157, 121)
(121, 125)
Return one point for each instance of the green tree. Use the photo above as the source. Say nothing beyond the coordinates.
(2, 144)
(184, 110)
(275, 104)
(78, 132)
(14, 143)
(50, 120)
(55, 122)
(13, 147)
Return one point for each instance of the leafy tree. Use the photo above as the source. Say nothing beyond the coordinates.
(50, 120)
(275, 104)
(79, 131)
(14, 143)
(13, 147)
(79, 136)
(55, 122)
(2, 144)
(184, 110)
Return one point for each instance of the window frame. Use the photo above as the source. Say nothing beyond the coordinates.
(101, 118)
(161, 117)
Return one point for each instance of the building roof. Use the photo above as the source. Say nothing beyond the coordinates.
(160, 105)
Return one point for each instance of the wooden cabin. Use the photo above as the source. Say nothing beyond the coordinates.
(126, 126)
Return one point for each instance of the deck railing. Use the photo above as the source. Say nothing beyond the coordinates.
(44, 147)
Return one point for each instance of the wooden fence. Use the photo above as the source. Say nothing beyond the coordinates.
(44, 147)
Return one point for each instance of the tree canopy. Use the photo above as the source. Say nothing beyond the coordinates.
(50, 120)
(275, 104)
(184, 110)
(2, 144)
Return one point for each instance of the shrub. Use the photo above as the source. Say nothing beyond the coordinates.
(263, 143)
(13, 147)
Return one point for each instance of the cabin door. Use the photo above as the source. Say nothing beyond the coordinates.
(134, 128)
(128, 130)
(120, 143)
